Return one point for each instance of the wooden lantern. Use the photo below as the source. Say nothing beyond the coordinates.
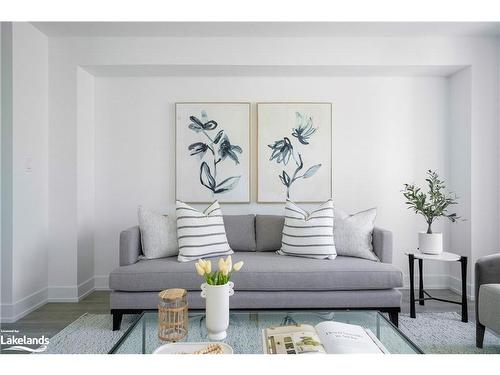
(172, 315)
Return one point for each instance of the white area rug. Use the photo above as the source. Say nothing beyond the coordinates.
(89, 334)
(432, 332)
(444, 333)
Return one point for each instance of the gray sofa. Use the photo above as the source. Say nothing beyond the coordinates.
(487, 296)
(268, 280)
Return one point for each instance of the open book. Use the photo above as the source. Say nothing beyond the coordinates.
(326, 337)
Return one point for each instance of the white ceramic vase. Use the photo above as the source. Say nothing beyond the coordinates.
(217, 308)
(430, 243)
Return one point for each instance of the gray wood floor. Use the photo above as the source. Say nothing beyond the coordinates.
(53, 317)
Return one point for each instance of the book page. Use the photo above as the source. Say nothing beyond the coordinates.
(342, 338)
(294, 339)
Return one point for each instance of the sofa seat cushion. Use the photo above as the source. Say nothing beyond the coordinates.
(262, 271)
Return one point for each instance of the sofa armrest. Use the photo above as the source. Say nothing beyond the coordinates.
(487, 272)
(382, 244)
(130, 246)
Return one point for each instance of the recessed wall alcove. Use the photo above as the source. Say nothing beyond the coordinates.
(98, 138)
(390, 124)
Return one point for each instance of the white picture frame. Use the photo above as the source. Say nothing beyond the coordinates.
(288, 134)
(213, 152)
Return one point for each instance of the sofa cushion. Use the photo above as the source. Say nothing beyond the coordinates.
(263, 271)
(200, 234)
(308, 234)
(269, 230)
(240, 232)
(353, 234)
(489, 306)
(158, 234)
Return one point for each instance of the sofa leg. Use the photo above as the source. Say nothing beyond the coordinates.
(117, 320)
(394, 317)
(479, 335)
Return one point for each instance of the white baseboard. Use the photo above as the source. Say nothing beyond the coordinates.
(63, 293)
(441, 282)
(85, 288)
(456, 286)
(101, 282)
(430, 281)
(71, 293)
(11, 313)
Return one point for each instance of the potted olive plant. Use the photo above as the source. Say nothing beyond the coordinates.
(431, 205)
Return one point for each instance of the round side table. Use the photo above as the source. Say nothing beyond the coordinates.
(423, 295)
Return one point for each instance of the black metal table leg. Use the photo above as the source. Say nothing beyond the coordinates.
(421, 282)
(465, 315)
(411, 259)
(143, 336)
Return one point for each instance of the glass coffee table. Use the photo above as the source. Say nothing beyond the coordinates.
(244, 334)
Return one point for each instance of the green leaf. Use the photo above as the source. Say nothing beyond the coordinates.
(434, 204)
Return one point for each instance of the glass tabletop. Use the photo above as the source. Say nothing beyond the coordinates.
(244, 334)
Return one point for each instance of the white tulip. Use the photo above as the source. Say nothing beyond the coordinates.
(237, 266)
(229, 263)
(208, 266)
(199, 269)
(222, 264)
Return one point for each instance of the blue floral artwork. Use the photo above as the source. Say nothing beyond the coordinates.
(283, 151)
(213, 148)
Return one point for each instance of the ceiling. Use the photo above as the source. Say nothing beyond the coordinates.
(275, 70)
(268, 29)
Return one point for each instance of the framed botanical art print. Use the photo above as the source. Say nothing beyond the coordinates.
(294, 152)
(212, 152)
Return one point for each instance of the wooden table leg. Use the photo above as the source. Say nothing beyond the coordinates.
(421, 282)
(411, 259)
(465, 315)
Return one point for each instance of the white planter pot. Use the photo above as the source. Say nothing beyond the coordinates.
(430, 243)
(217, 308)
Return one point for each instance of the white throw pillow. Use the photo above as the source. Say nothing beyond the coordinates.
(308, 235)
(157, 234)
(353, 234)
(201, 234)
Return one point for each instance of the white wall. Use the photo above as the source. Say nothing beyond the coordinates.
(6, 175)
(85, 182)
(460, 170)
(377, 123)
(1, 197)
(67, 54)
(70, 149)
(28, 165)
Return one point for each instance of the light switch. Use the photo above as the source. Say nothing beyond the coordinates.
(29, 165)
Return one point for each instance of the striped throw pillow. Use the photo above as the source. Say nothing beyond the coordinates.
(308, 235)
(200, 234)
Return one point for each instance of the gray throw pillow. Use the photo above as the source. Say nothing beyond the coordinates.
(158, 234)
(353, 234)
(269, 230)
(240, 232)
